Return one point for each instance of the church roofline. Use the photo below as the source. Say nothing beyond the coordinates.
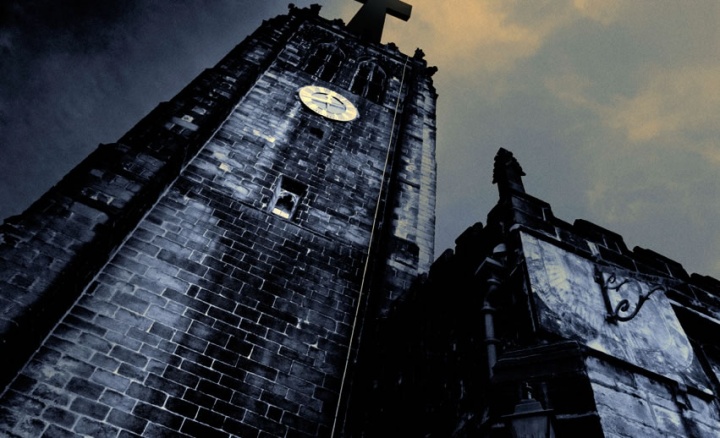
(518, 211)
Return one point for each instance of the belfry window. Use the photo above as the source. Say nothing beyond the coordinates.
(369, 81)
(286, 198)
(325, 61)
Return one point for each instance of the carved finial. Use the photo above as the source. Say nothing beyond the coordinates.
(419, 54)
(507, 173)
(369, 21)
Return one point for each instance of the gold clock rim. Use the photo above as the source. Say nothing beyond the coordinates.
(351, 112)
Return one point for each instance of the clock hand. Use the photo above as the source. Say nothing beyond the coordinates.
(320, 97)
(336, 107)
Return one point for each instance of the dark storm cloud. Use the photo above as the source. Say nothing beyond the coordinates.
(68, 22)
(79, 73)
(42, 42)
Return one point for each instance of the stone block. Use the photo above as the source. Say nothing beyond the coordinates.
(167, 318)
(240, 429)
(59, 417)
(96, 343)
(615, 425)
(58, 432)
(127, 421)
(146, 394)
(138, 374)
(31, 427)
(198, 397)
(51, 394)
(158, 416)
(85, 388)
(194, 428)
(125, 355)
(162, 384)
(703, 411)
(182, 377)
(110, 380)
(612, 403)
(89, 408)
(669, 421)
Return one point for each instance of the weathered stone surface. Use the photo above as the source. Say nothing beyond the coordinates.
(207, 312)
(517, 311)
(569, 302)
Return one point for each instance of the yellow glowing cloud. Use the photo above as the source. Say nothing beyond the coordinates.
(602, 11)
(673, 101)
(572, 89)
(468, 34)
(670, 109)
(484, 35)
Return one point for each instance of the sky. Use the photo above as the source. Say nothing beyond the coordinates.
(612, 107)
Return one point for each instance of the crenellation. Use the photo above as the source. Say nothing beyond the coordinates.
(706, 283)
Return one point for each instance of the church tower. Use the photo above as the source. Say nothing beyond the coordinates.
(213, 271)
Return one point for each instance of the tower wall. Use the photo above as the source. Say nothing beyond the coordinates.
(240, 279)
(52, 251)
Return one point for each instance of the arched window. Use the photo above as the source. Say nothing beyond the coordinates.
(369, 81)
(325, 61)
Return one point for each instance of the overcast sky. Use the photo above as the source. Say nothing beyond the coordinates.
(612, 107)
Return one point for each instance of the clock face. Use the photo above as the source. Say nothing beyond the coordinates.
(328, 103)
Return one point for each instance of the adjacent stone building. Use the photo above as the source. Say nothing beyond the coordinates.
(533, 317)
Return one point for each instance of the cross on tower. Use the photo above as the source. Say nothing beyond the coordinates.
(369, 21)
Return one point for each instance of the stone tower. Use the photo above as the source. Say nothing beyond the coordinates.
(211, 273)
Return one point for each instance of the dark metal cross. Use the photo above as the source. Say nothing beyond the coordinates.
(369, 21)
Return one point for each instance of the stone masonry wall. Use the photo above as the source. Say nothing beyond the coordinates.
(215, 316)
(50, 252)
(412, 221)
(632, 405)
